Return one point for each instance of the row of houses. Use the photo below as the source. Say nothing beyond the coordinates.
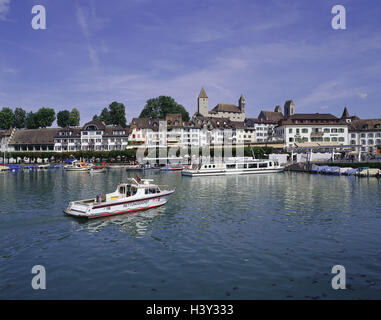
(224, 124)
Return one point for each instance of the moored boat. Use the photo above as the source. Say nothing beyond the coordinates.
(174, 168)
(99, 168)
(4, 169)
(234, 167)
(368, 172)
(78, 166)
(136, 195)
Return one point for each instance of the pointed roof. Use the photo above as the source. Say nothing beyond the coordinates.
(242, 98)
(202, 93)
(345, 114)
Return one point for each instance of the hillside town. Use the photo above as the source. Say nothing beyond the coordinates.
(226, 124)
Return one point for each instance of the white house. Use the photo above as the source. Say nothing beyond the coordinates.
(366, 133)
(324, 129)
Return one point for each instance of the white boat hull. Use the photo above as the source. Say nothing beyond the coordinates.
(77, 169)
(95, 210)
(199, 173)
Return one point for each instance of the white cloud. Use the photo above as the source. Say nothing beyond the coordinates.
(4, 8)
(363, 95)
(89, 22)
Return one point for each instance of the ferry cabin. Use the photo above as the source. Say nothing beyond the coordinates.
(247, 167)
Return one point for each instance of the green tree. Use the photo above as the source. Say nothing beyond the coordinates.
(45, 117)
(105, 116)
(31, 121)
(20, 118)
(159, 107)
(74, 118)
(7, 118)
(63, 118)
(117, 113)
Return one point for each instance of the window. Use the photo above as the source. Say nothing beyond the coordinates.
(289, 130)
(263, 165)
(253, 165)
(230, 166)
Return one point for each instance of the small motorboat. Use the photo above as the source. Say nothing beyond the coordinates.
(13, 167)
(351, 172)
(143, 167)
(99, 168)
(3, 169)
(78, 166)
(368, 172)
(136, 195)
(174, 168)
(345, 170)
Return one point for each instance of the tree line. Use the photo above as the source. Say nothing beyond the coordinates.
(114, 114)
(42, 118)
(125, 155)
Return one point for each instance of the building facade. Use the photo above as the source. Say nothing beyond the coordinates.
(93, 136)
(198, 132)
(324, 129)
(367, 134)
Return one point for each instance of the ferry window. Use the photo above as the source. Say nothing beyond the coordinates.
(230, 166)
(245, 166)
(146, 191)
(134, 190)
(270, 164)
(240, 166)
(214, 166)
(263, 165)
(152, 190)
(253, 165)
(122, 190)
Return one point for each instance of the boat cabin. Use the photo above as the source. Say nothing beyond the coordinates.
(125, 190)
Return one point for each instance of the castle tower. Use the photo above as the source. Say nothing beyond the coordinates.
(289, 108)
(241, 104)
(203, 108)
(278, 109)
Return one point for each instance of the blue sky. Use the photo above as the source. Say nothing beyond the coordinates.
(95, 52)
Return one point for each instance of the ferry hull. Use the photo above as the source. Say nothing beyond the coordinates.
(196, 173)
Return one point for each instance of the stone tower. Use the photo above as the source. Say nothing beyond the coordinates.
(241, 104)
(203, 108)
(289, 108)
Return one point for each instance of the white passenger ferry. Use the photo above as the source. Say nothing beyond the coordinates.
(231, 167)
(128, 197)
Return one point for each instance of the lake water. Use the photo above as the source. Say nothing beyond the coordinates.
(273, 236)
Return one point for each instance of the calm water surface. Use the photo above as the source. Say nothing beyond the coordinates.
(271, 236)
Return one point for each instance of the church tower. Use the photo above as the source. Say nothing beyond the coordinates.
(203, 108)
(289, 108)
(241, 104)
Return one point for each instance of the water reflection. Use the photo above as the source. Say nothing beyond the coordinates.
(136, 224)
